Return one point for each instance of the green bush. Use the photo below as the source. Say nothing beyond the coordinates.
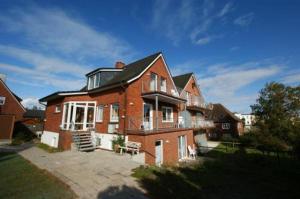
(120, 140)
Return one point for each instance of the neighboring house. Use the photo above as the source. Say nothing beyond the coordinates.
(248, 119)
(34, 120)
(194, 113)
(139, 100)
(227, 124)
(11, 111)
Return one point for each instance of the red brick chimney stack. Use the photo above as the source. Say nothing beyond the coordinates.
(119, 65)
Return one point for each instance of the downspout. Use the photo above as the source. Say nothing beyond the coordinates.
(125, 107)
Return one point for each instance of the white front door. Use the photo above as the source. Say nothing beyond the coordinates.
(158, 152)
(148, 117)
(182, 147)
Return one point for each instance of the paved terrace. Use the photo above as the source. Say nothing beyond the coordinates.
(99, 174)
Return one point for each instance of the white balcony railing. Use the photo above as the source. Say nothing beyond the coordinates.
(197, 101)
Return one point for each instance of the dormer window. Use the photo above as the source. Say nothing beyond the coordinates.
(94, 81)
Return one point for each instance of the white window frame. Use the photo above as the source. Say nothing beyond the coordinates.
(57, 108)
(116, 119)
(94, 77)
(154, 81)
(70, 123)
(167, 108)
(163, 88)
(98, 109)
(225, 126)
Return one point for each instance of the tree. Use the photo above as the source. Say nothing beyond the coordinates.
(277, 114)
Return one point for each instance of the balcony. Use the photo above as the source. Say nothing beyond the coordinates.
(197, 103)
(156, 90)
(202, 124)
(136, 124)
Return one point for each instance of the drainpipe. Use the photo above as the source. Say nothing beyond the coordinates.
(156, 111)
(124, 112)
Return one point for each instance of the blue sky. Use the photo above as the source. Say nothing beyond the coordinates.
(233, 47)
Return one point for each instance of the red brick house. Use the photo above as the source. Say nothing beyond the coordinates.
(11, 111)
(227, 124)
(139, 100)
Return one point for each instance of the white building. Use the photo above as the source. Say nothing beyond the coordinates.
(248, 118)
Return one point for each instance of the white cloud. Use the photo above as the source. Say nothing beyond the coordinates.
(32, 102)
(44, 63)
(27, 76)
(244, 20)
(226, 9)
(55, 31)
(289, 79)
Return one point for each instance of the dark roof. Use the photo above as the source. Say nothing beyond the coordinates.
(130, 71)
(17, 97)
(181, 80)
(221, 114)
(34, 114)
(112, 68)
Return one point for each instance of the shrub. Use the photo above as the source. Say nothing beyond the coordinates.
(119, 140)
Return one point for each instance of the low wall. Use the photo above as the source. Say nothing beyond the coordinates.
(104, 139)
(50, 138)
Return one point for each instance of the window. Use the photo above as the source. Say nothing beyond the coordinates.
(188, 98)
(182, 147)
(57, 108)
(78, 116)
(99, 113)
(114, 113)
(163, 84)
(94, 81)
(167, 113)
(91, 82)
(153, 82)
(226, 126)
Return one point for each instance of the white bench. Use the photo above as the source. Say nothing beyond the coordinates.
(131, 146)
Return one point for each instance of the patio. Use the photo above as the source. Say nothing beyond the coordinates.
(99, 174)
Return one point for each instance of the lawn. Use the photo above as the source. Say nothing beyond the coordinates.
(230, 174)
(21, 179)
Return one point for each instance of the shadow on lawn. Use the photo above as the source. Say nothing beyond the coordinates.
(237, 175)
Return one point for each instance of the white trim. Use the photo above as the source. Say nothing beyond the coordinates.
(176, 98)
(57, 106)
(160, 55)
(167, 107)
(75, 93)
(12, 95)
(106, 70)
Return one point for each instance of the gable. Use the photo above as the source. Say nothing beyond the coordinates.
(159, 67)
(12, 104)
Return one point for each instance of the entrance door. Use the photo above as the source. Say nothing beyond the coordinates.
(158, 152)
(182, 147)
(148, 117)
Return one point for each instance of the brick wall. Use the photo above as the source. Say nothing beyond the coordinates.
(170, 145)
(11, 106)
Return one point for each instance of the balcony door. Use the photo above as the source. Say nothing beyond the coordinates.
(182, 148)
(153, 82)
(148, 117)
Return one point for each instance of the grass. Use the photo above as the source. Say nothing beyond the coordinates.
(21, 179)
(49, 149)
(232, 174)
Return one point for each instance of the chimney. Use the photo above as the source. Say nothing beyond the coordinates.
(119, 65)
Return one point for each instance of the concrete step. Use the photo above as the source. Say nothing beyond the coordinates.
(87, 149)
(85, 142)
(85, 145)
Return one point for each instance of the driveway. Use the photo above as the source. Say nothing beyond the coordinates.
(98, 174)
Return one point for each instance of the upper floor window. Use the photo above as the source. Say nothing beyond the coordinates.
(225, 126)
(94, 81)
(57, 108)
(153, 82)
(163, 84)
(167, 113)
(114, 113)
